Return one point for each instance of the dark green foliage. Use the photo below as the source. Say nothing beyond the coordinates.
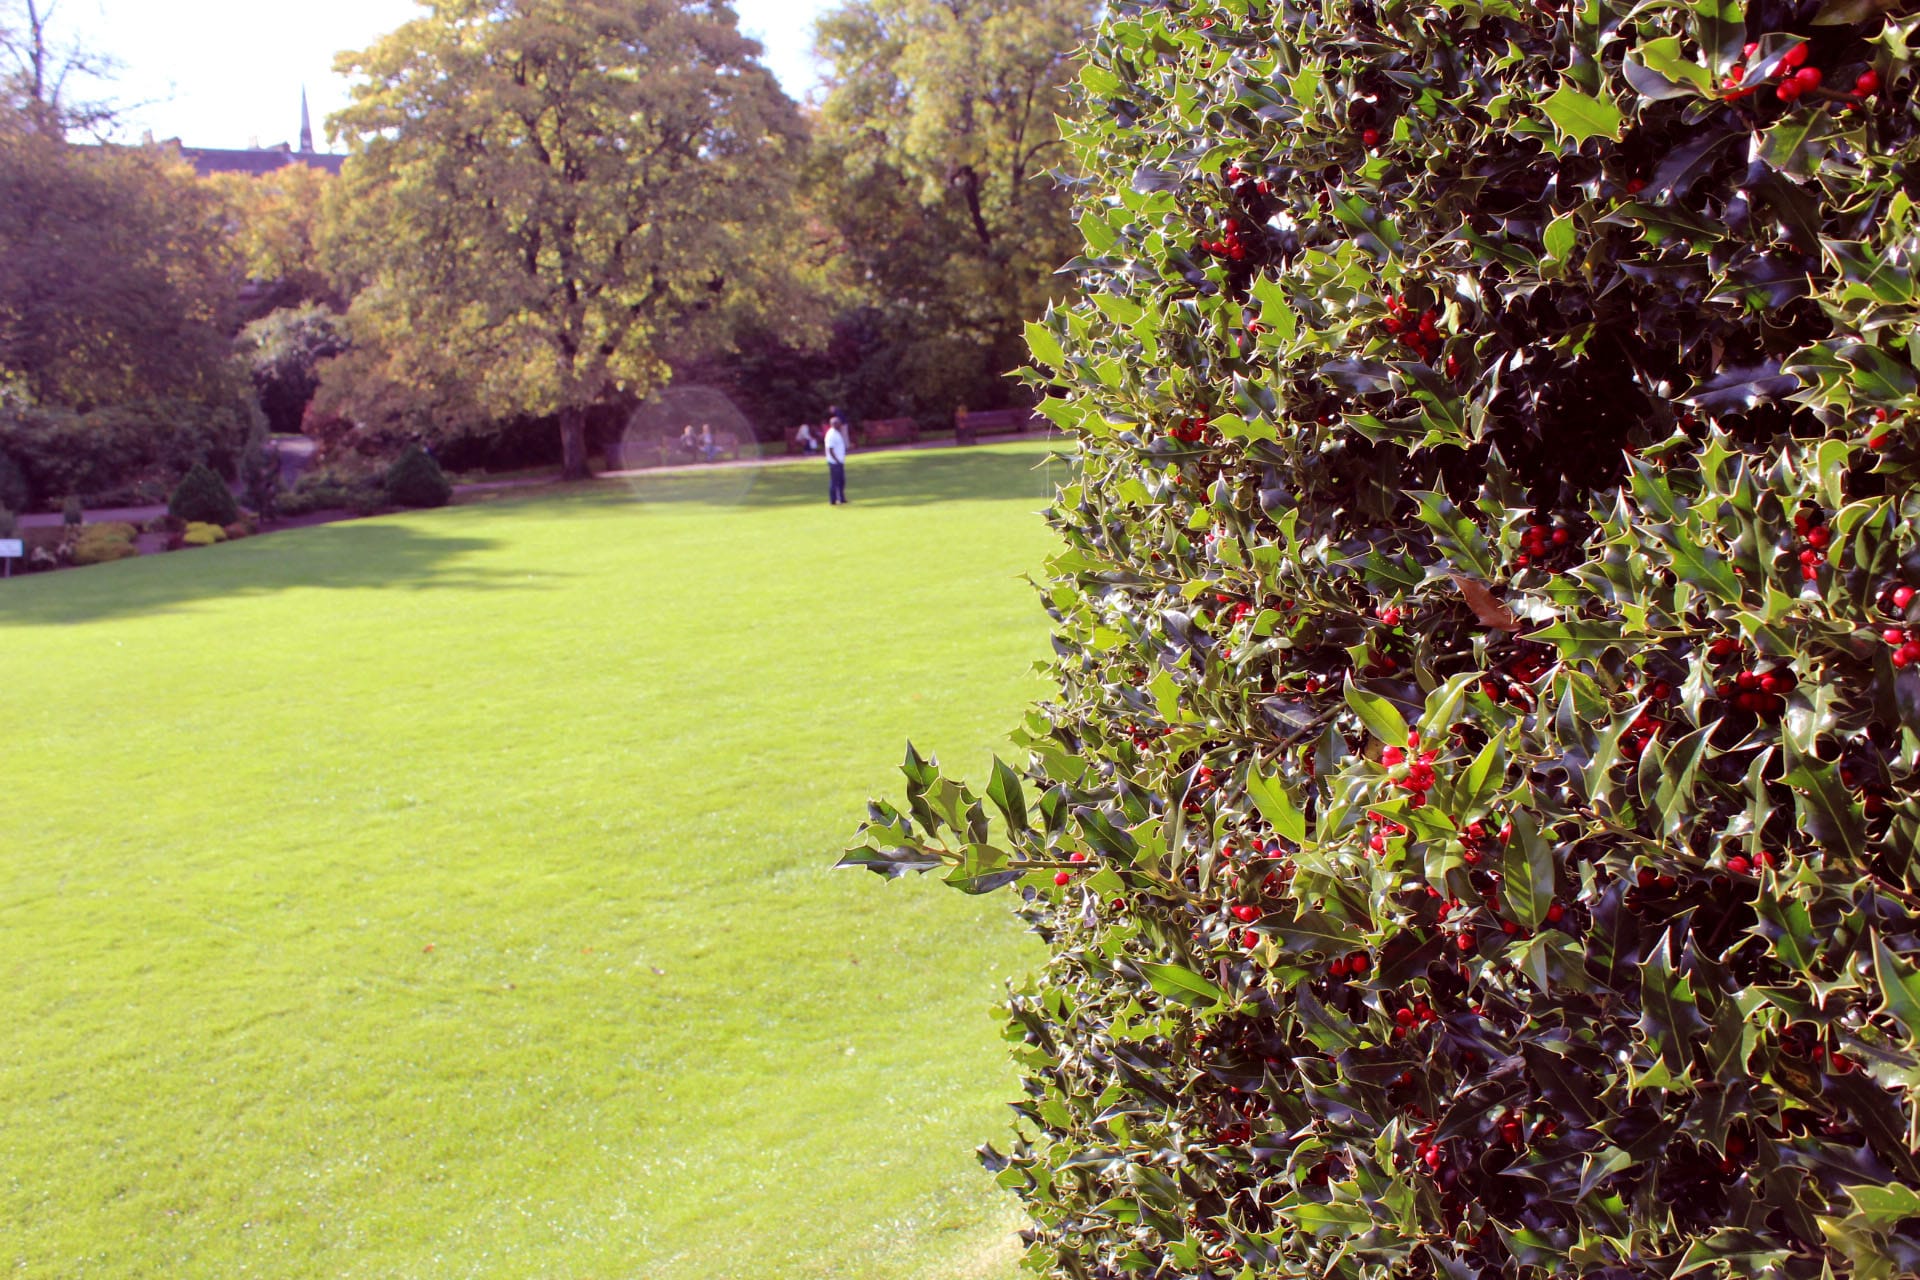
(333, 490)
(203, 497)
(126, 454)
(15, 495)
(260, 477)
(284, 351)
(1492, 563)
(416, 480)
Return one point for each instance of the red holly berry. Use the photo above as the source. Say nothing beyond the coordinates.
(1393, 757)
(1358, 963)
(1636, 185)
(1076, 857)
(1062, 878)
(1739, 865)
(1556, 913)
(1877, 441)
(1787, 91)
(1819, 537)
(1369, 137)
(1906, 655)
(1338, 968)
(1794, 56)
(1465, 941)
(1405, 1017)
(1807, 78)
(1902, 597)
(1866, 86)
(1894, 636)
(1246, 914)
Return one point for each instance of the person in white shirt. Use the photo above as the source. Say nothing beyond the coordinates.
(836, 450)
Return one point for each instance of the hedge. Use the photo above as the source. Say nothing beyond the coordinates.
(1475, 827)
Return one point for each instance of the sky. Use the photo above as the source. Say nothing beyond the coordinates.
(228, 73)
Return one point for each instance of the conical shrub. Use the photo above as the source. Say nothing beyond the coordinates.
(416, 480)
(203, 498)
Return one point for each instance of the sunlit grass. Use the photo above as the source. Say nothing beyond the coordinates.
(448, 894)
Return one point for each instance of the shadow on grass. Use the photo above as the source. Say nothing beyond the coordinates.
(348, 556)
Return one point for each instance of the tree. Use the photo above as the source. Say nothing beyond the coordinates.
(282, 222)
(116, 280)
(551, 193)
(937, 143)
(284, 352)
(38, 75)
(1477, 829)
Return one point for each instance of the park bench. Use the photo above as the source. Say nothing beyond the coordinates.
(878, 431)
(968, 427)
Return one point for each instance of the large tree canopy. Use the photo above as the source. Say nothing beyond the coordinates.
(937, 139)
(116, 280)
(557, 191)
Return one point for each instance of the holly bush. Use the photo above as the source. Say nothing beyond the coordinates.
(1475, 829)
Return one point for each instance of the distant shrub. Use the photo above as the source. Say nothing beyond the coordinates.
(125, 452)
(15, 493)
(9, 523)
(200, 534)
(260, 477)
(203, 496)
(242, 528)
(416, 480)
(334, 489)
(101, 543)
(71, 511)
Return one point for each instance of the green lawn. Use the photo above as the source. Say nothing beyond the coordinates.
(448, 894)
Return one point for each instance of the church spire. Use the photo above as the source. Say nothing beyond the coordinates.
(306, 124)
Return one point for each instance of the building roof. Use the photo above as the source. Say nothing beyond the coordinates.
(208, 160)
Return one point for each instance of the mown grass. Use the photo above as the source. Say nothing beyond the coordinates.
(448, 894)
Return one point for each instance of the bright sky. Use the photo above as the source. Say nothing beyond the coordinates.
(225, 73)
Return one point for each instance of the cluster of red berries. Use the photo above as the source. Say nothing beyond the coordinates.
(1476, 841)
(1815, 538)
(1384, 829)
(1232, 243)
(1238, 177)
(1356, 965)
(1906, 650)
(1879, 438)
(1541, 540)
(1757, 692)
(1797, 80)
(1413, 1014)
(1201, 788)
(1420, 334)
(1515, 679)
(1427, 1151)
(1192, 429)
(1741, 865)
(1065, 878)
(1412, 773)
(1646, 727)
(1895, 600)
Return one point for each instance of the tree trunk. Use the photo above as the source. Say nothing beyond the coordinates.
(573, 443)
